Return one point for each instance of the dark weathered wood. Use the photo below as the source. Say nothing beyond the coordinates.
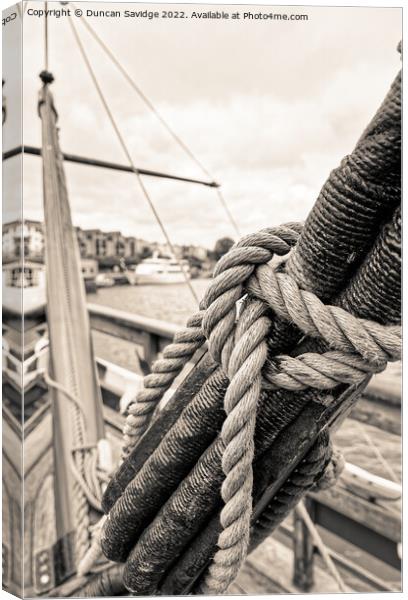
(303, 550)
(271, 470)
(162, 423)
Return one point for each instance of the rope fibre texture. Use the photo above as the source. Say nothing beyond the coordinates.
(361, 193)
(355, 201)
(366, 295)
(197, 497)
(309, 473)
(241, 349)
(243, 357)
(189, 340)
(361, 346)
(181, 579)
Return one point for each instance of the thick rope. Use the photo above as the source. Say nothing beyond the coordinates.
(164, 372)
(243, 361)
(361, 346)
(243, 355)
(221, 297)
(357, 347)
(375, 343)
(89, 484)
(319, 371)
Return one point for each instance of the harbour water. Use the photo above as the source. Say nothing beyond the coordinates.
(174, 303)
(168, 302)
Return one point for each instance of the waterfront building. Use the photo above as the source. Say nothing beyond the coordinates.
(93, 244)
(23, 238)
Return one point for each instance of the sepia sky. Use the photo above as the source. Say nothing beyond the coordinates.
(270, 107)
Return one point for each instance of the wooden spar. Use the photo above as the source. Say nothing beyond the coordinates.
(72, 362)
(93, 162)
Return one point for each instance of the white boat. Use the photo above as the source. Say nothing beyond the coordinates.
(103, 280)
(27, 276)
(162, 269)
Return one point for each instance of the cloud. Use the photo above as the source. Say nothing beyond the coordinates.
(269, 117)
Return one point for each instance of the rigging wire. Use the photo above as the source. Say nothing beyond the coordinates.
(158, 115)
(46, 37)
(128, 156)
(379, 455)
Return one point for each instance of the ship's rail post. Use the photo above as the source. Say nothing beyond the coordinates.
(303, 550)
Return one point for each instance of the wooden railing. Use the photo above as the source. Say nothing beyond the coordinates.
(150, 334)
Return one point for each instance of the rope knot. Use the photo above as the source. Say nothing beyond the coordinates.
(332, 472)
(237, 333)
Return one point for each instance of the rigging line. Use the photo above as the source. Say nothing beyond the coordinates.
(46, 37)
(129, 158)
(158, 115)
(321, 546)
(379, 455)
(145, 99)
(224, 204)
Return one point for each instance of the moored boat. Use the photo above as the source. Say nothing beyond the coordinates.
(103, 280)
(162, 269)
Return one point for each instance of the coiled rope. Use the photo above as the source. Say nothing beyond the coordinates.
(90, 482)
(357, 347)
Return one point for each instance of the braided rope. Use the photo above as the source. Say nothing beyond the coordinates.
(164, 371)
(220, 299)
(88, 485)
(320, 371)
(243, 364)
(375, 343)
(239, 344)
